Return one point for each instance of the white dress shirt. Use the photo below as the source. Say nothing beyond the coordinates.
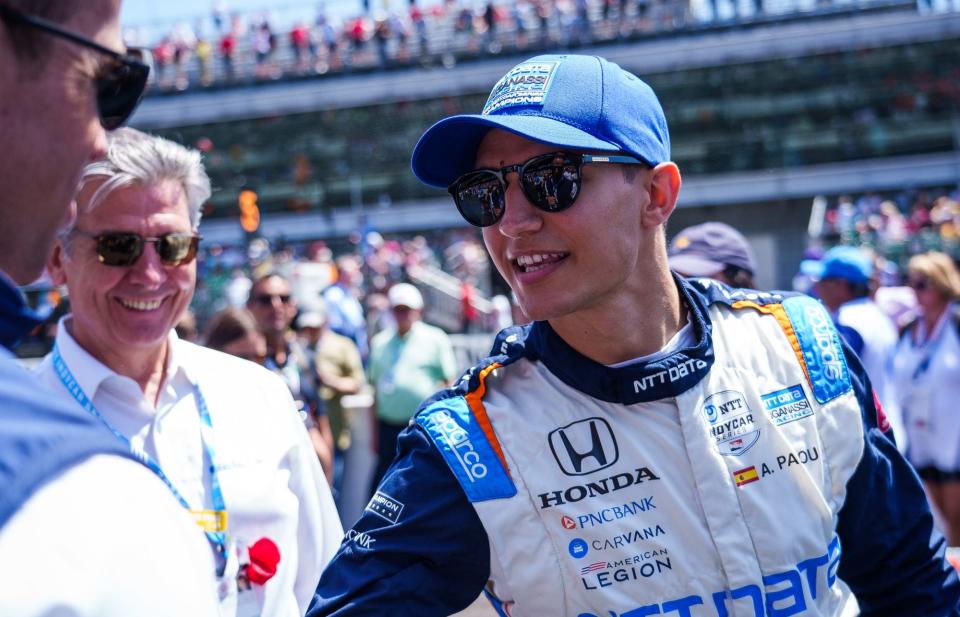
(73, 561)
(270, 477)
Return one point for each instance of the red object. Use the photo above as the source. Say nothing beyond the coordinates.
(882, 421)
(264, 557)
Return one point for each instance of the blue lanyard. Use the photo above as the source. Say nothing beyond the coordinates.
(217, 539)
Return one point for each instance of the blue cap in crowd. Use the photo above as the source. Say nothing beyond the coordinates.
(841, 262)
(570, 101)
(708, 248)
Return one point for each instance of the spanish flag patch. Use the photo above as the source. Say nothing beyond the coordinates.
(746, 475)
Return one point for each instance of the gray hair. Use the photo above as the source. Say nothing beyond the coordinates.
(137, 158)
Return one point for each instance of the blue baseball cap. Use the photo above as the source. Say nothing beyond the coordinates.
(570, 101)
(841, 262)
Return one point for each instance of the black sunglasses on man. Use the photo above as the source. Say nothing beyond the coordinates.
(120, 83)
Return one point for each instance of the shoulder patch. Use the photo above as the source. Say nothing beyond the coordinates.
(820, 346)
(458, 436)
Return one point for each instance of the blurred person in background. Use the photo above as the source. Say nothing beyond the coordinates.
(187, 327)
(714, 250)
(223, 432)
(926, 377)
(272, 304)
(336, 362)
(234, 331)
(85, 529)
(344, 311)
(843, 283)
(407, 364)
(639, 406)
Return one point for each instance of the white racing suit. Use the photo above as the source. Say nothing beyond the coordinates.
(747, 475)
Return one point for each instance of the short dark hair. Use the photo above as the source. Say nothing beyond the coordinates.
(29, 43)
(738, 277)
(229, 325)
(260, 279)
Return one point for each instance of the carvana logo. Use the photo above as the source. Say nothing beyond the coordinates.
(578, 548)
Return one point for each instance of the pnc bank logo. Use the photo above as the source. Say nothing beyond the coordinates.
(584, 447)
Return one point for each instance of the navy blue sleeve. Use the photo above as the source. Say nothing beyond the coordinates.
(419, 548)
(892, 555)
(851, 337)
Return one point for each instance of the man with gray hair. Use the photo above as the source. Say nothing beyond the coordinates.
(74, 504)
(223, 432)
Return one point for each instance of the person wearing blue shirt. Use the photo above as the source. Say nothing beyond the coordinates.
(85, 529)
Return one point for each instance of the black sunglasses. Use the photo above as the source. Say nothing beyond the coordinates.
(267, 299)
(550, 181)
(120, 248)
(120, 83)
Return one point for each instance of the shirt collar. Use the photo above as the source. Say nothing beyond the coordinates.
(16, 317)
(90, 373)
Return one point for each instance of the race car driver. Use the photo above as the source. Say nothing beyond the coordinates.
(649, 445)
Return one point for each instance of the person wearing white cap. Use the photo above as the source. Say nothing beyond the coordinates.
(407, 364)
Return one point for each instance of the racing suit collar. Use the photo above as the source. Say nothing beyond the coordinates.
(637, 382)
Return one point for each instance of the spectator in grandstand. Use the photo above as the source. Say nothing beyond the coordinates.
(843, 284)
(272, 304)
(407, 364)
(419, 21)
(234, 331)
(715, 250)
(336, 361)
(127, 260)
(264, 43)
(711, 414)
(228, 49)
(204, 53)
(926, 373)
(85, 529)
(304, 51)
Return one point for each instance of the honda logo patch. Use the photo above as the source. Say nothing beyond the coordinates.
(583, 447)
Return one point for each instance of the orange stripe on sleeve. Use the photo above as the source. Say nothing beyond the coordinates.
(783, 319)
(475, 402)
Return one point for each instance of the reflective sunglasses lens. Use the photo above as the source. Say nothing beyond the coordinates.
(119, 249)
(177, 249)
(552, 183)
(119, 90)
(480, 198)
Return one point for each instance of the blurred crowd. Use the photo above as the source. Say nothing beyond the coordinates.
(898, 226)
(232, 46)
(892, 287)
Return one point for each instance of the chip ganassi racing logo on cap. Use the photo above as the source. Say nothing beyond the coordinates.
(525, 84)
(732, 425)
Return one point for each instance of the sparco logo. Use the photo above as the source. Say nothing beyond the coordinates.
(584, 446)
(827, 350)
(592, 489)
(459, 442)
